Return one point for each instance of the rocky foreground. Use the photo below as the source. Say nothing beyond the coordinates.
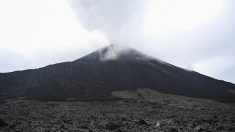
(165, 113)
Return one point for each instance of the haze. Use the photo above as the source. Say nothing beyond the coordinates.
(193, 34)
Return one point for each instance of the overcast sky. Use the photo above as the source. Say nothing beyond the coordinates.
(194, 34)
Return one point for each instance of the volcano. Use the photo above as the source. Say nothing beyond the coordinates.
(112, 68)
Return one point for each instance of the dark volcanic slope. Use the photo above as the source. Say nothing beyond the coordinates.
(112, 68)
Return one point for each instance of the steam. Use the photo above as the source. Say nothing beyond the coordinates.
(119, 20)
(112, 52)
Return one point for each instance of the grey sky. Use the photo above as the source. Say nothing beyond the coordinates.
(207, 48)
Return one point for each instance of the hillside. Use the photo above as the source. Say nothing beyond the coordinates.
(113, 68)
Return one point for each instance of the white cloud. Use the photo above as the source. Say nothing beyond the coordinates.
(165, 16)
(44, 31)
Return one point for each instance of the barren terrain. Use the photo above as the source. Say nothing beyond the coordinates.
(168, 113)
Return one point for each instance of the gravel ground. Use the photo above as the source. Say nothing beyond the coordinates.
(168, 114)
